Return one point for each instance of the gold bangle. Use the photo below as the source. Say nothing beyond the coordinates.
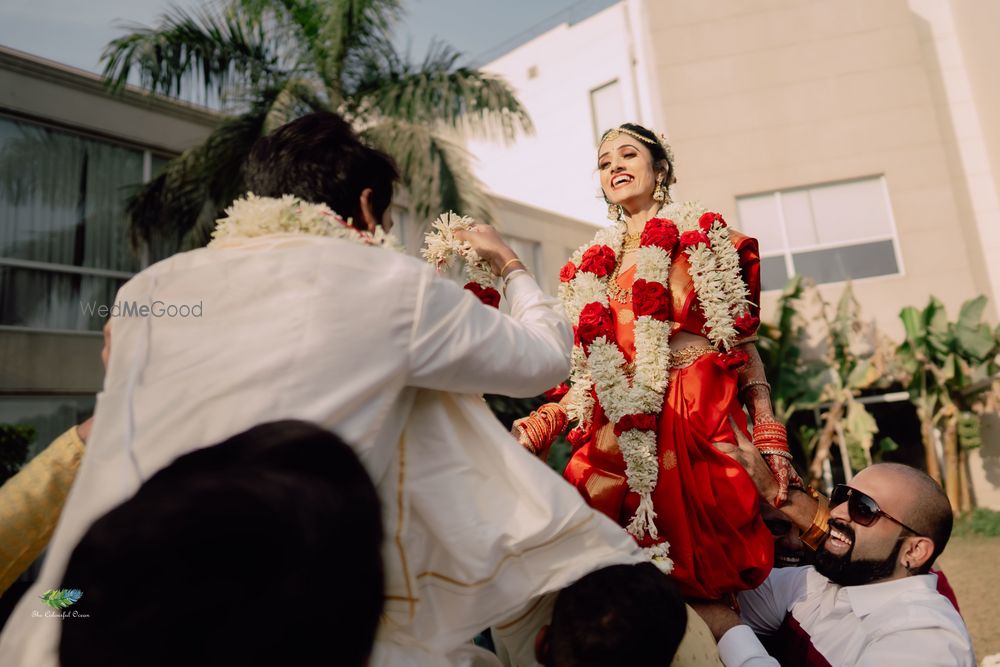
(509, 262)
(817, 532)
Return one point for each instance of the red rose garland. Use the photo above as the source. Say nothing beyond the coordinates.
(599, 260)
(633, 404)
(488, 295)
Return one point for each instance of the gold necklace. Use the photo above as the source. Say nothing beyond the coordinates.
(615, 291)
(631, 242)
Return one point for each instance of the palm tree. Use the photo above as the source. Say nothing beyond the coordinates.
(270, 61)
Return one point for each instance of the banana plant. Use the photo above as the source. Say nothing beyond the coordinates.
(946, 362)
(812, 359)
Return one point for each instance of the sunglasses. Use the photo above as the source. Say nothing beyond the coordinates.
(861, 507)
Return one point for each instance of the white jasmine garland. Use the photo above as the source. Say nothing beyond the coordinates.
(252, 216)
(658, 554)
(719, 286)
(639, 450)
(442, 249)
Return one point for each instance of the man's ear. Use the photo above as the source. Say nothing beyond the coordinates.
(543, 649)
(367, 210)
(916, 553)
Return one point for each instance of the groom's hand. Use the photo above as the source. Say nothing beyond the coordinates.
(489, 245)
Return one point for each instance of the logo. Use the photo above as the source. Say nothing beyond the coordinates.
(60, 599)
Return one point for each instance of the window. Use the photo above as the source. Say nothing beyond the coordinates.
(63, 230)
(830, 232)
(607, 108)
(529, 252)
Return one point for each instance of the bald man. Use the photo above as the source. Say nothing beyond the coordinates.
(870, 598)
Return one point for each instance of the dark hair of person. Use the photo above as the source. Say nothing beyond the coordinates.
(661, 161)
(618, 615)
(253, 552)
(320, 159)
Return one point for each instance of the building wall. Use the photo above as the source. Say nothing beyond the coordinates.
(767, 95)
(553, 76)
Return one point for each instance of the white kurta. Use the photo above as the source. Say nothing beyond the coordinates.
(365, 342)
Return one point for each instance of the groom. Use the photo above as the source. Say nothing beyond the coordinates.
(365, 342)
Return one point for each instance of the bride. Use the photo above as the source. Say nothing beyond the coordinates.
(664, 304)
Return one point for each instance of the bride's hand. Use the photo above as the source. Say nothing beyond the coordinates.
(783, 473)
(760, 471)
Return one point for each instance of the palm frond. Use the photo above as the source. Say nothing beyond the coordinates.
(349, 26)
(208, 48)
(434, 169)
(297, 97)
(187, 197)
(439, 90)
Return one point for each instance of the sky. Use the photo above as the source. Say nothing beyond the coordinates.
(74, 32)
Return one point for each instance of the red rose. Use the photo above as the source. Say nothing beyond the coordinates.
(661, 233)
(567, 272)
(556, 393)
(649, 298)
(706, 220)
(733, 360)
(576, 438)
(487, 295)
(746, 324)
(693, 238)
(643, 422)
(595, 321)
(599, 260)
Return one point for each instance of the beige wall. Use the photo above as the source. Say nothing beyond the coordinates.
(764, 95)
(559, 236)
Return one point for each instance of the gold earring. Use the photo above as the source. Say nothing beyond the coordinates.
(614, 212)
(659, 192)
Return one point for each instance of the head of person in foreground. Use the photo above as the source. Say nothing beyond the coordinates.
(247, 552)
(618, 615)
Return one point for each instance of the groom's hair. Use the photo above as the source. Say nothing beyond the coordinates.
(261, 548)
(618, 615)
(320, 159)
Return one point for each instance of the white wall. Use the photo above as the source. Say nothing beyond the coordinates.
(553, 75)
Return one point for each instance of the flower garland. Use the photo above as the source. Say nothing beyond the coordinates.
(252, 216)
(633, 404)
(442, 248)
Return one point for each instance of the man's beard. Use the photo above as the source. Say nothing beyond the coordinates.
(846, 572)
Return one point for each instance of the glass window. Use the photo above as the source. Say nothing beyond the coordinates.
(607, 108)
(528, 251)
(846, 262)
(830, 232)
(63, 226)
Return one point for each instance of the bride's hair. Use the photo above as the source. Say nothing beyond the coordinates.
(320, 159)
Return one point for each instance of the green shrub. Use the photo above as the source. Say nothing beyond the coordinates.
(14, 443)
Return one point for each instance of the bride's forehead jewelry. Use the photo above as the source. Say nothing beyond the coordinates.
(615, 132)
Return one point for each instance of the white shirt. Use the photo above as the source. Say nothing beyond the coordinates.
(365, 342)
(899, 622)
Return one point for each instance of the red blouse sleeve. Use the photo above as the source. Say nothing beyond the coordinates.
(749, 254)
